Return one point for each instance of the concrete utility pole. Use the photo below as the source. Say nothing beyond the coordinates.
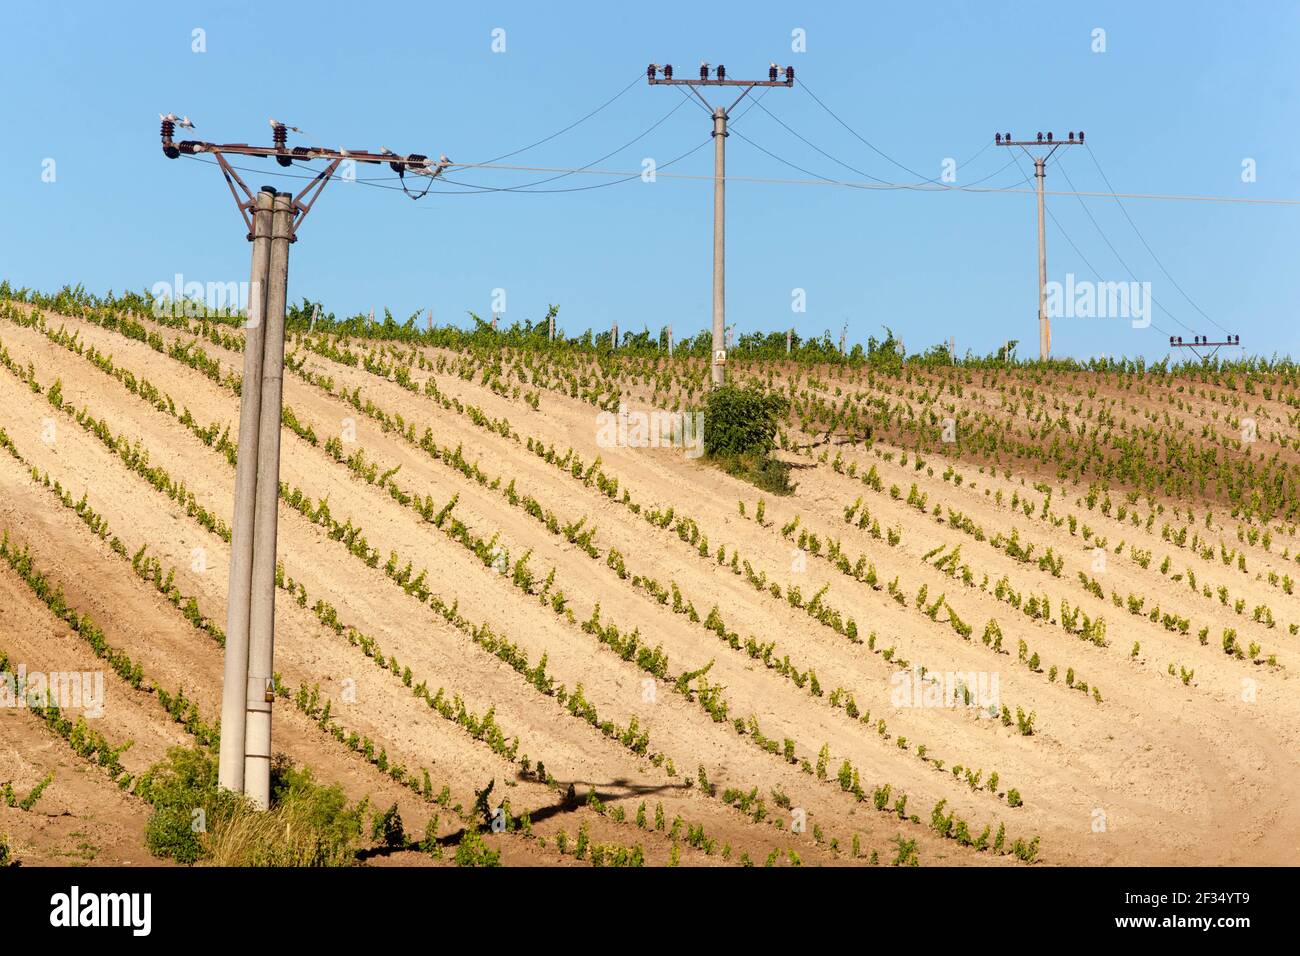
(1040, 173)
(1044, 321)
(663, 76)
(789, 335)
(261, 640)
(719, 242)
(613, 334)
(670, 340)
(272, 220)
(230, 769)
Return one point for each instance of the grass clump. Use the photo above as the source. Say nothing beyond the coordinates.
(193, 821)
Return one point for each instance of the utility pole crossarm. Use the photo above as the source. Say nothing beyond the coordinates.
(414, 163)
(1202, 342)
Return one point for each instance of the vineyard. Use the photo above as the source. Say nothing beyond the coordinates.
(968, 613)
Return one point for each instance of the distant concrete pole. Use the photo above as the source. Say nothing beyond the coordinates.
(789, 334)
(261, 654)
(670, 340)
(613, 335)
(663, 75)
(719, 242)
(1040, 174)
(230, 766)
(550, 328)
(1044, 324)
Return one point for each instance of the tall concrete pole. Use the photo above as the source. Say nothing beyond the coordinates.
(719, 241)
(1044, 323)
(261, 653)
(230, 767)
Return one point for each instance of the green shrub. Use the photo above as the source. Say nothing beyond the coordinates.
(308, 824)
(741, 421)
(185, 781)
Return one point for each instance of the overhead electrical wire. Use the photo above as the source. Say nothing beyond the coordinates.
(923, 184)
(529, 187)
(1079, 252)
(477, 189)
(1106, 180)
(795, 133)
(1111, 246)
(574, 189)
(947, 187)
(860, 172)
(807, 89)
(524, 187)
(546, 139)
(768, 180)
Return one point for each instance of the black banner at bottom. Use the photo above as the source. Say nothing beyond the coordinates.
(138, 905)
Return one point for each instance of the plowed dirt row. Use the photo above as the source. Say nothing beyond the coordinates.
(140, 622)
(65, 365)
(1149, 758)
(1206, 794)
(749, 686)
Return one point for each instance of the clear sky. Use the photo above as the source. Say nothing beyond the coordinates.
(1183, 94)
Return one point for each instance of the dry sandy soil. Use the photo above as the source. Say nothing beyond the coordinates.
(1151, 769)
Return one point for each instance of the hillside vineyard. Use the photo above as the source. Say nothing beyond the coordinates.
(1011, 614)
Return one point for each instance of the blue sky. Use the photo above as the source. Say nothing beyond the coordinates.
(1183, 93)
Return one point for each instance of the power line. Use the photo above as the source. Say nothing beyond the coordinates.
(479, 190)
(627, 178)
(575, 123)
(863, 139)
(1106, 180)
(824, 181)
(1122, 262)
(876, 179)
(937, 188)
(1061, 229)
(474, 189)
(860, 172)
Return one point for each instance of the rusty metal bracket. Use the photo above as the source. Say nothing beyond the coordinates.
(232, 177)
(310, 193)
